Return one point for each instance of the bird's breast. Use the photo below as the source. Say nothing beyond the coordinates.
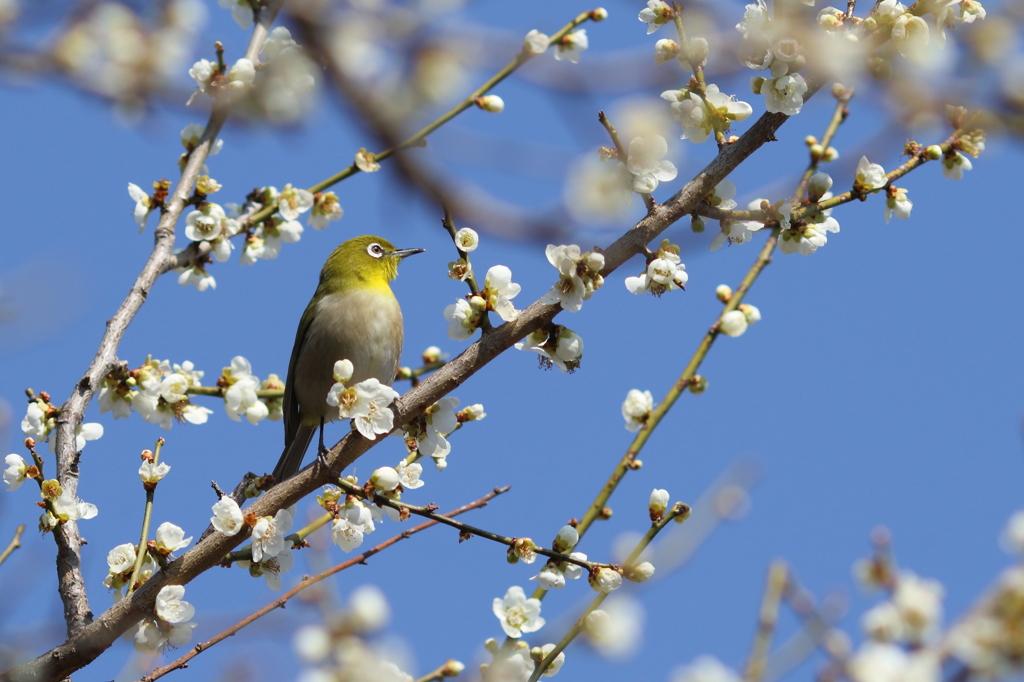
(363, 326)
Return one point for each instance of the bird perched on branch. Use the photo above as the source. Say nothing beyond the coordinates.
(353, 315)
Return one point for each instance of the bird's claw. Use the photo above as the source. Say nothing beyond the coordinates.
(321, 457)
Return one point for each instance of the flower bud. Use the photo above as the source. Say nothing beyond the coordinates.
(431, 355)
(594, 261)
(478, 303)
(385, 479)
(830, 155)
(658, 501)
(640, 572)
(698, 384)
(599, 14)
(733, 323)
(818, 185)
(491, 103)
(566, 539)
(724, 293)
(696, 224)
(343, 371)
(933, 152)
(810, 140)
(750, 312)
(492, 645)
(605, 580)
(453, 668)
(665, 50)
(838, 90)
(698, 50)
(816, 151)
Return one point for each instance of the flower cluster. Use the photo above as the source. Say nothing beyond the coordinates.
(735, 322)
(240, 398)
(271, 548)
(170, 627)
(765, 46)
(579, 275)
(212, 78)
(664, 273)
(62, 506)
(701, 113)
(467, 314)
(40, 421)
(519, 662)
(569, 47)
(555, 573)
(366, 403)
(556, 345)
(425, 435)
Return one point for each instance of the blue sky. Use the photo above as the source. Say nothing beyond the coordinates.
(883, 385)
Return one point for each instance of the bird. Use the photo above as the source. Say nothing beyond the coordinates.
(353, 315)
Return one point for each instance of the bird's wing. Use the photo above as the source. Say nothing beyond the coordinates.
(290, 406)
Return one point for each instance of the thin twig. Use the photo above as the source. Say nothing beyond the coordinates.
(677, 512)
(182, 661)
(14, 544)
(768, 617)
(429, 513)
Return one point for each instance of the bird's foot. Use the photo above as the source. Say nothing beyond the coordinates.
(321, 457)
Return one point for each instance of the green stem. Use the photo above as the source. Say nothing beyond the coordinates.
(140, 552)
(14, 544)
(429, 513)
(677, 510)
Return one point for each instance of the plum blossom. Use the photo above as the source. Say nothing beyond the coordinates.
(463, 320)
(83, 434)
(517, 614)
(370, 411)
(292, 202)
(664, 273)
(636, 408)
(268, 535)
(240, 398)
(466, 239)
(16, 471)
(142, 204)
(170, 538)
(646, 164)
(241, 11)
(558, 346)
(665, 51)
(325, 209)
(571, 46)
(67, 507)
(499, 290)
(656, 15)
(869, 175)
(897, 204)
(227, 517)
(953, 167)
(536, 43)
(785, 94)
(579, 276)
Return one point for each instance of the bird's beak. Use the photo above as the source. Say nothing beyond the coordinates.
(403, 253)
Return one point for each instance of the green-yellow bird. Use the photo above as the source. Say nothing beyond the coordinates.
(353, 315)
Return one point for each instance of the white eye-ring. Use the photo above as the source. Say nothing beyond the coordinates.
(375, 250)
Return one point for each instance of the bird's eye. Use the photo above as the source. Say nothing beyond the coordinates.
(375, 250)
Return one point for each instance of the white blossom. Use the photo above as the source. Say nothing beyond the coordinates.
(606, 580)
(370, 412)
(142, 203)
(268, 535)
(517, 614)
(153, 473)
(67, 507)
(463, 320)
(466, 239)
(536, 42)
(919, 602)
(353, 522)
(556, 662)
(170, 538)
(616, 630)
(646, 164)
(121, 559)
(785, 94)
(665, 50)
(240, 398)
(636, 408)
(655, 15)
(15, 473)
(910, 35)
(897, 205)
(170, 607)
(869, 175)
(705, 668)
(499, 290)
(572, 45)
(953, 167)
(733, 323)
(292, 202)
(409, 474)
(227, 517)
(325, 209)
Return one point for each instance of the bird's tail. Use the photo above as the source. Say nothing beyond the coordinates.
(291, 458)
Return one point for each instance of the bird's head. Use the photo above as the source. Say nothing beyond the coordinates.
(366, 261)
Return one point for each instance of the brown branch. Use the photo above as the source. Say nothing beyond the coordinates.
(14, 544)
(182, 662)
(69, 542)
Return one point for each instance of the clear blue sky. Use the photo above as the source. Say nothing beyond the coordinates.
(883, 385)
